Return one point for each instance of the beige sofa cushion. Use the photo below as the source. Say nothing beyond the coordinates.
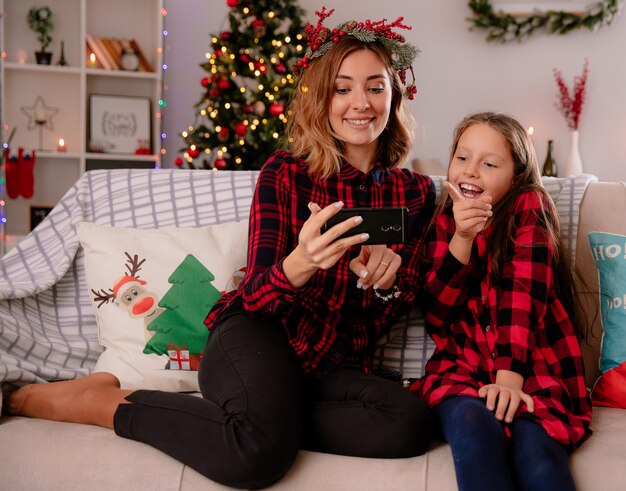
(51, 456)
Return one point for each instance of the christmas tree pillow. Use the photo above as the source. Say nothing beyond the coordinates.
(609, 254)
(151, 290)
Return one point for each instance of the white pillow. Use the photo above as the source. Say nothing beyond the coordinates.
(151, 290)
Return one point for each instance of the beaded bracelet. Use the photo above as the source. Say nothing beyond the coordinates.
(386, 295)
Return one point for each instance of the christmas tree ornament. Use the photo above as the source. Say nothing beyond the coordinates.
(205, 82)
(276, 109)
(232, 3)
(321, 39)
(178, 161)
(241, 129)
(259, 108)
(193, 152)
(219, 164)
(223, 135)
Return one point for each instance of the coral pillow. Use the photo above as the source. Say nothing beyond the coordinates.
(610, 389)
(151, 290)
(609, 254)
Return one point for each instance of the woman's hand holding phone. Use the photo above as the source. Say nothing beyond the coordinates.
(317, 250)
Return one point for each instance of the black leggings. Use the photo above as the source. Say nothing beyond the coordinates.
(258, 409)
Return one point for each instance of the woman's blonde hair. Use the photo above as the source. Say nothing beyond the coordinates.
(309, 134)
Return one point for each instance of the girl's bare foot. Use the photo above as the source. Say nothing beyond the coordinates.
(90, 400)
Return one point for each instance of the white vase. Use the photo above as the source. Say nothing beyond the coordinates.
(573, 165)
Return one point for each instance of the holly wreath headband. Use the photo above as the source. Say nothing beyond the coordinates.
(321, 39)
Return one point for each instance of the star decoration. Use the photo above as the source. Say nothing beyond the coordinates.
(40, 114)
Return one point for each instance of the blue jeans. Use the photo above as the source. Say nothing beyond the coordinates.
(484, 461)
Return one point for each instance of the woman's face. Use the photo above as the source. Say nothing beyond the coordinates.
(360, 106)
(482, 163)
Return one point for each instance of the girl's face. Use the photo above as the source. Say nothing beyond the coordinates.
(482, 163)
(360, 106)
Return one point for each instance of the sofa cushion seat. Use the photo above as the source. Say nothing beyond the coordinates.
(63, 455)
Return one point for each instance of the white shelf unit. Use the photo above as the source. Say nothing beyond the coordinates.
(68, 89)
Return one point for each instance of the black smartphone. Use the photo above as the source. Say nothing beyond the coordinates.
(388, 225)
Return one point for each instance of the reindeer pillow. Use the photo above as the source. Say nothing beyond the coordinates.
(151, 290)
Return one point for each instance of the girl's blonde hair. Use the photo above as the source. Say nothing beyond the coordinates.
(309, 134)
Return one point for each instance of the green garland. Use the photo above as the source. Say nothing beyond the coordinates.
(502, 27)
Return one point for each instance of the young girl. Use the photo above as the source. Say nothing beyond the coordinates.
(506, 380)
(288, 362)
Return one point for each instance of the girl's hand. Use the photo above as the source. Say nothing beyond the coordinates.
(506, 395)
(316, 250)
(470, 215)
(376, 266)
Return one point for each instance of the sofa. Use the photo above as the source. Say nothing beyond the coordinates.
(48, 332)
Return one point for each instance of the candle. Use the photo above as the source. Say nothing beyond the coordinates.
(61, 146)
(40, 116)
(21, 55)
(92, 61)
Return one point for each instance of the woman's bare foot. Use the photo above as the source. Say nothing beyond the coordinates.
(90, 400)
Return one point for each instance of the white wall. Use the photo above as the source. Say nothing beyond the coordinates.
(458, 72)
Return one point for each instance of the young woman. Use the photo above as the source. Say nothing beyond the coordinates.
(506, 380)
(288, 361)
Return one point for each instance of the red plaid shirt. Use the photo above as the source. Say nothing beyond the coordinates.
(521, 325)
(329, 321)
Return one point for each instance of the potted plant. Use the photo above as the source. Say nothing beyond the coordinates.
(41, 21)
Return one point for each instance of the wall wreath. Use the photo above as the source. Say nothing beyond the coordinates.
(502, 27)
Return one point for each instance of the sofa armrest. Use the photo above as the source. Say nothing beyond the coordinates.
(603, 209)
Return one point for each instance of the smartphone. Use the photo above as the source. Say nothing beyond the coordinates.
(386, 225)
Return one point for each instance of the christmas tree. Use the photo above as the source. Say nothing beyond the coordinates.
(186, 305)
(242, 113)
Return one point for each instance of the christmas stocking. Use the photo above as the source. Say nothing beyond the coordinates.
(27, 181)
(12, 173)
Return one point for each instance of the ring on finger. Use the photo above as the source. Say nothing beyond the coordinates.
(386, 265)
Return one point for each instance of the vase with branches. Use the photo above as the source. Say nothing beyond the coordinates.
(570, 105)
(41, 21)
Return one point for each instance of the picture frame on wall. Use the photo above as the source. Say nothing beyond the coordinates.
(37, 215)
(120, 124)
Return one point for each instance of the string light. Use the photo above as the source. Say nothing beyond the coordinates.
(161, 52)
